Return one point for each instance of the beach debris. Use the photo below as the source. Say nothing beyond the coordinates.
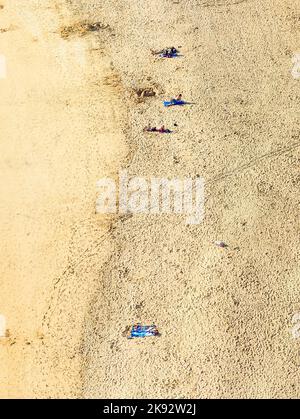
(82, 29)
(144, 89)
(220, 243)
(113, 80)
(2, 326)
(296, 328)
(139, 331)
(145, 92)
(142, 93)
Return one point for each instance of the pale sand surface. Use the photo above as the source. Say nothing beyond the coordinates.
(225, 315)
(60, 132)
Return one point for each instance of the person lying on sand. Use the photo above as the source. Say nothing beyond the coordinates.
(161, 130)
(150, 129)
(153, 329)
(166, 51)
(178, 99)
(137, 327)
(169, 52)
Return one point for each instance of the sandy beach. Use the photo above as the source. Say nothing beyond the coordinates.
(72, 280)
(61, 129)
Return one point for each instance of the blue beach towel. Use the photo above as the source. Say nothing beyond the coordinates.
(174, 103)
(139, 331)
(169, 55)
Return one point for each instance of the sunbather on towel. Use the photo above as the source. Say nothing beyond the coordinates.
(166, 51)
(169, 52)
(157, 52)
(178, 99)
(154, 329)
(150, 129)
(163, 130)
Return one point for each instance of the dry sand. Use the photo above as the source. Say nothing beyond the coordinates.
(61, 124)
(72, 280)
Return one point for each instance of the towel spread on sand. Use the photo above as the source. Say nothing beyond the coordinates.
(173, 55)
(174, 102)
(139, 331)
